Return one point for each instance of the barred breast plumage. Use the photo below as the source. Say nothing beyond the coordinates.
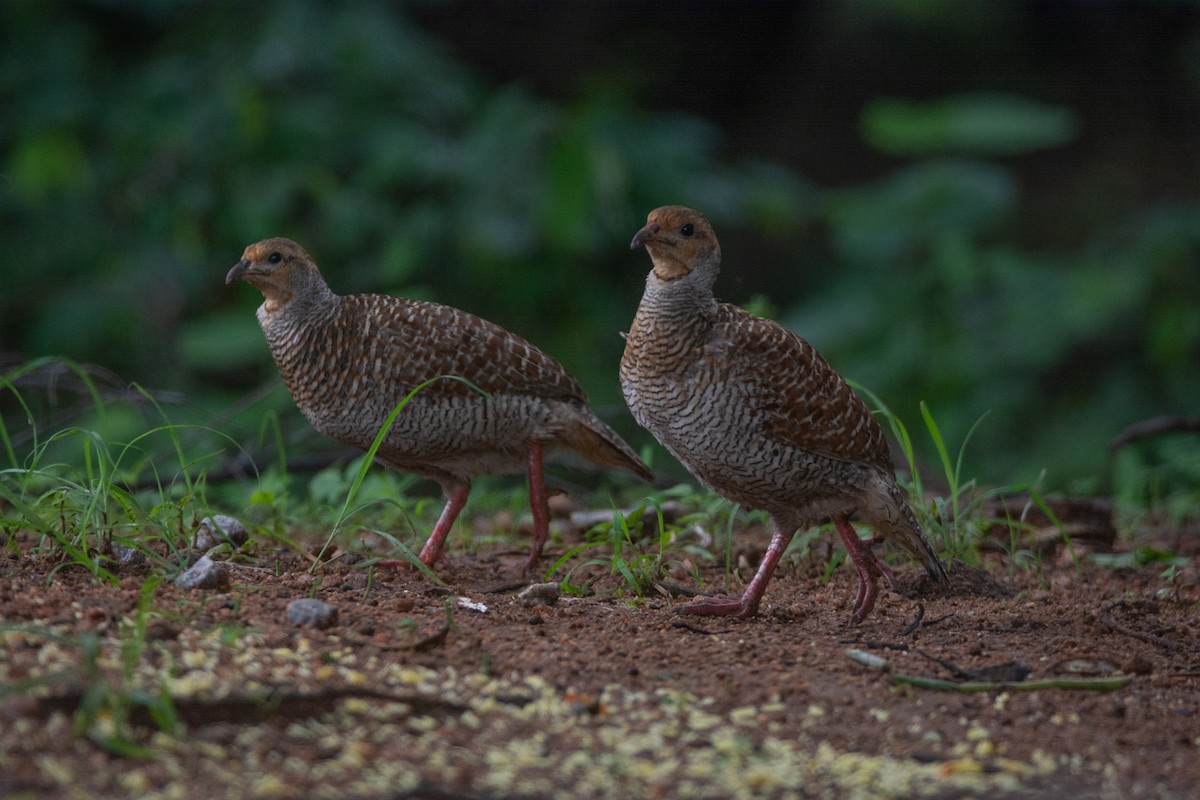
(348, 361)
(756, 414)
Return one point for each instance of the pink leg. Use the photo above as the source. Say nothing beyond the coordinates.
(537, 504)
(456, 498)
(747, 605)
(868, 546)
(868, 567)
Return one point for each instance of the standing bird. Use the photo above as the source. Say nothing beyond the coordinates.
(756, 414)
(349, 361)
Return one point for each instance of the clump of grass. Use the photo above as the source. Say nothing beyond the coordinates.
(80, 494)
(1156, 476)
(639, 570)
(955, 522)
(76, 510)
(85, 496)
(640, 547)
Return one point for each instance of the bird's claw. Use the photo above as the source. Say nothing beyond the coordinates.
(716, 607)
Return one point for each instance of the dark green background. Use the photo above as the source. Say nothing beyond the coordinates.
(992, 207)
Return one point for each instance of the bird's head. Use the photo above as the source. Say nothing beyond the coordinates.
(279, 268)
(681, 242)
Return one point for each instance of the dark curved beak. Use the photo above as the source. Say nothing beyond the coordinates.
(239, 269)
(643, 236)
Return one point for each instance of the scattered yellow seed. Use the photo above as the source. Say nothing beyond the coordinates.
(55, 770)
(356, 754)
(270, 785)
(421, 724)
(194, 659)
(961, 766)
(134, 781)
(744, 716)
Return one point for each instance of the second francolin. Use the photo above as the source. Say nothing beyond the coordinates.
(350, 360)
(756, 414)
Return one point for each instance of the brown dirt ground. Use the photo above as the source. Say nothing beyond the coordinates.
(601, 696)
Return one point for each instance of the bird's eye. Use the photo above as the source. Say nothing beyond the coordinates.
(687, 230)
(274, 258)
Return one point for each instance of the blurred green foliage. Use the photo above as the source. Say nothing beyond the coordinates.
(1063, 349)
(139, 160)
(980, 124)
(144, 144)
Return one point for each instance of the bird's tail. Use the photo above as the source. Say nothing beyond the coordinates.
(894, 521)
(591, 438)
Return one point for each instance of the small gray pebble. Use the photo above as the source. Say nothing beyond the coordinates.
(538, 594)
(219, 529)
(204, 574)
(310, 611)
(127, 556)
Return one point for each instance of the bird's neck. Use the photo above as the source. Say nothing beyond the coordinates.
(683, 306)
(691, 293)
(304, 311)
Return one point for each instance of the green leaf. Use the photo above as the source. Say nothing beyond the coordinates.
(976, 124)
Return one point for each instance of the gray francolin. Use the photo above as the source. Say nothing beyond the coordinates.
(757, 415)
(350, 360)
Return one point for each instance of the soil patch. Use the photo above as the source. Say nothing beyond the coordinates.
(466, 690)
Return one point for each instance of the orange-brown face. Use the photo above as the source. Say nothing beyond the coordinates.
(272, 266)
(678, 240)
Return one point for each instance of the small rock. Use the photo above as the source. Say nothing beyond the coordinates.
(219, 529)
(126, 556)
(310, 611)
(1084, 666)
(540, 594)
(204, 574)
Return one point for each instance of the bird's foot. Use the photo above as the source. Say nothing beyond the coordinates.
(865, 599)
(404, 563)
(869, 569)
(531, 563)
(874, 564)
(717, 607)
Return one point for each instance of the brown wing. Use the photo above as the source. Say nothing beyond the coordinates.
(804, 402)
(421, 340)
